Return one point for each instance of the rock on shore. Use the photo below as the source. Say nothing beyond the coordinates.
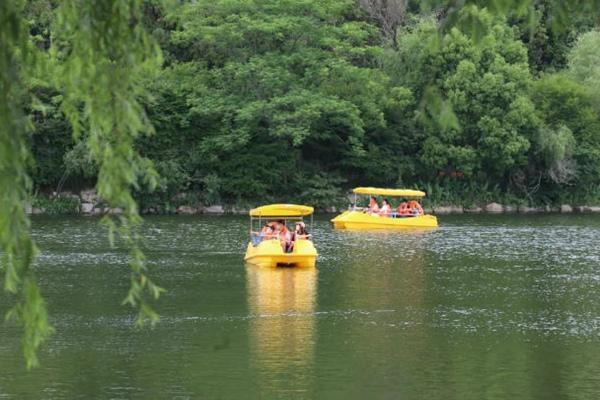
(494, 208)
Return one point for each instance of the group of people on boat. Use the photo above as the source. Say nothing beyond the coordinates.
(279, 230)
(405, 209)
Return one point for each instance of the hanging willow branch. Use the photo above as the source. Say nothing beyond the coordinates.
(104, 52)
(100, 53)
(29, 309)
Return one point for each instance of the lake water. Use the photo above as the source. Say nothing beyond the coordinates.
(492, 307)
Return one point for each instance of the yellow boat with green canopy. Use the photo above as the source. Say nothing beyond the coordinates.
(406, 216)
(273, 239)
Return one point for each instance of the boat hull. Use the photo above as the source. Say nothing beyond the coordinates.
(357, 220)
(269, 253)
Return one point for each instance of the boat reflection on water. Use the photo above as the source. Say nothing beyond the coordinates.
(282, 330)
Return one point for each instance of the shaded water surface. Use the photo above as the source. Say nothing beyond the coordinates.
(483, 307)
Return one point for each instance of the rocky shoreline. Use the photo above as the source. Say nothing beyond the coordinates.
(497, 208)
(88, 203)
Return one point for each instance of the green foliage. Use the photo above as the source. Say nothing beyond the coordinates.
(97, 56)
(258, 90)
(103, 106)
(172, 179)
(212, 187)
(560, 15)
(484, 84)
(555, 146)
(584, 63)
(18, 249)
(60, 205)
(50, 140)
(466, 193)
(571, 141)
(548, 42)
(321, 191)
(252, 92)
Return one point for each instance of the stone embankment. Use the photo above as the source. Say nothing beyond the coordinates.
(87, 202)
(496, 208)
(210, 210)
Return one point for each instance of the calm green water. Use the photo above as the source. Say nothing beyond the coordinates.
(484, 307)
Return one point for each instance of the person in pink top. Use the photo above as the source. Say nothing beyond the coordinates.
(386, 208)
(285, 236)
(373, 206)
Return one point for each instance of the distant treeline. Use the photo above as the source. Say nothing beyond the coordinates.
(286, 100)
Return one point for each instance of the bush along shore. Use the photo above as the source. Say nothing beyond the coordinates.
(88, 203)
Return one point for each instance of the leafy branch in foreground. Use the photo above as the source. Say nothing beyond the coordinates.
(106, 51)
(16, 244)
(96, 60)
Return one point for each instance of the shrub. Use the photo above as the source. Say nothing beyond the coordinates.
(60, 205)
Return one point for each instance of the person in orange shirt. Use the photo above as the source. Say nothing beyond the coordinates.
(416, 208)
(403, 210)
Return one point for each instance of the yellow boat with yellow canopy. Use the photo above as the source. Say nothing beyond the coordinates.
(275, 247)
(357, 218)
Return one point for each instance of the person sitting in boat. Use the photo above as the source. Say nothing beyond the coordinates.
(373, 208)
(267, 232)
(285, 236)
(415, 208)
(404, 210)
(264, 234)
(300, 232)
(386, 209)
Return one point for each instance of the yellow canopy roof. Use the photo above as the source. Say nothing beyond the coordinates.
(389, 192)
(281, 210)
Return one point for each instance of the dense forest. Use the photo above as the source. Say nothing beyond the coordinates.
(266, 100)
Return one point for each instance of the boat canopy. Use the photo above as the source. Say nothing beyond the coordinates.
(389, 192)
(281, 210)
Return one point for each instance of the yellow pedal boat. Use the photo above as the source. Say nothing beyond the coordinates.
(268, 250)
(357, 219)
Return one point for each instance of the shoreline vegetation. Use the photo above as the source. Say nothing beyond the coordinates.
(309, 99)
(88, 203)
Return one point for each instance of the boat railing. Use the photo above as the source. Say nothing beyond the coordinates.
(393, 214)
(258, 237)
